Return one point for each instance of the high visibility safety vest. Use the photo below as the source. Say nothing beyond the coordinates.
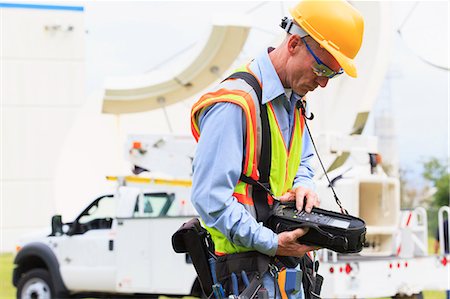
(285, 159)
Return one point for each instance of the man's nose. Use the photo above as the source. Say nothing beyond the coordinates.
(322, 81)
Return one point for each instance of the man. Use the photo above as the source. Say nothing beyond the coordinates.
(321, 42)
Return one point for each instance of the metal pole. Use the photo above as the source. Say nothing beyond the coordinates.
(162, 102)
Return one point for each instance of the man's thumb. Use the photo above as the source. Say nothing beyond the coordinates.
(299, 232)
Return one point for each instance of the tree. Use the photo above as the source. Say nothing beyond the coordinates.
(437, 173)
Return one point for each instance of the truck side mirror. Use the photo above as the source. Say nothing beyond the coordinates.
(57, 226)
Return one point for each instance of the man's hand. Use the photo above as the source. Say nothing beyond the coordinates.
(299, 194)
(288, 245)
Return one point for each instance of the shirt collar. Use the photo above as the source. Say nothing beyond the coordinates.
(263, 68)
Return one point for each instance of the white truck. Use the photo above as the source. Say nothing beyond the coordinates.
(118, 245)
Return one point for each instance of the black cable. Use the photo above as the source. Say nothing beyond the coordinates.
(408, 16)
(275, 286)
(302, 107)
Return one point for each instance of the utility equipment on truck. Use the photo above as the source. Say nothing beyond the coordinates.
(395, 260)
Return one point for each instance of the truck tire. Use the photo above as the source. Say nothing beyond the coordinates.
(35, 284)
(413, 296)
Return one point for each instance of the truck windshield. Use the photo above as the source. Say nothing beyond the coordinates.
(98, 215)
(104, 208)
(153, 205)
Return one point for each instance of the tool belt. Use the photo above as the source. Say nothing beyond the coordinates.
(239, 273)
(256, 264)
(242, 268)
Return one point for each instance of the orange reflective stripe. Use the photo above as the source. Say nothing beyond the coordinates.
(302, 121)
(244, 199)
(255, 174)
(198, 106)
(248, 106)
(299, 123)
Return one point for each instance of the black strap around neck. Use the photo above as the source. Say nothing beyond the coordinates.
(259, 194)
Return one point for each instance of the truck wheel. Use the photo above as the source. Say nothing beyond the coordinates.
(413, 296)
(35, 284)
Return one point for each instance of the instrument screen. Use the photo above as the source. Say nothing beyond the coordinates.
(339, 223)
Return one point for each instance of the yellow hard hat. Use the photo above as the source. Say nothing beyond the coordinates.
(335, 25)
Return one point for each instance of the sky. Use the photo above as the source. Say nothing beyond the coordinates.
(127, 39)
(417, 91)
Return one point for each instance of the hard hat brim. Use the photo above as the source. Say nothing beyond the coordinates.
(346, 63)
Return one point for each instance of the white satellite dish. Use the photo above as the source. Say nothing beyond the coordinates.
(224, 45)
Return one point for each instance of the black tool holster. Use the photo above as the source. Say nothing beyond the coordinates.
(312, 282)
(195, 240)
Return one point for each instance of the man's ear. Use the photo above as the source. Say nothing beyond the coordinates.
(294, 44)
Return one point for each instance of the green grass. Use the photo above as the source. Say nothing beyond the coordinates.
(434, 294)
(7, 290)
(428, 295)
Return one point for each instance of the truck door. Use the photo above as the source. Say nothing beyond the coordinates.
(86, 253)
(146, 262)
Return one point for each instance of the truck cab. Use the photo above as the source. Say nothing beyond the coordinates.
(119, 244)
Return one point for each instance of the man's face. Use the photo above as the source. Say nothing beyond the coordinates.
(299, 67)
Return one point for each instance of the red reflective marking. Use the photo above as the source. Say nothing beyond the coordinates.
(409, 219)
(348, 268)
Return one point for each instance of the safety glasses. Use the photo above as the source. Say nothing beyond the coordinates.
(320, 68)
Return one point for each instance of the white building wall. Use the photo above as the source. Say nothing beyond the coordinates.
(42, 89)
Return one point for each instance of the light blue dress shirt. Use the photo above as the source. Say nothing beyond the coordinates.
(217, 164)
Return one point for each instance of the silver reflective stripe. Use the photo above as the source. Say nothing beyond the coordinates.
(250, 208)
